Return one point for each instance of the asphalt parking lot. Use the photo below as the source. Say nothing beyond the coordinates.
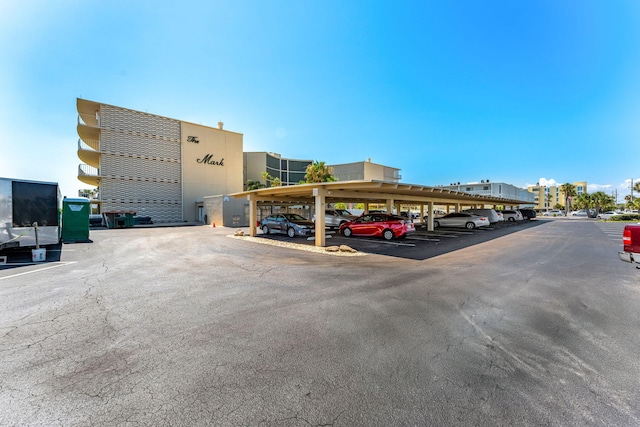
(188, 326)
(421, 244)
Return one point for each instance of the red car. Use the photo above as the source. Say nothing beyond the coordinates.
(379, 225)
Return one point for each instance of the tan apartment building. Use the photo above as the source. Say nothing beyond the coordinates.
(546, 198)
(153, 165)
(365, 170)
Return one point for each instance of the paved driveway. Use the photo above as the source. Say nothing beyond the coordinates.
(186, 326)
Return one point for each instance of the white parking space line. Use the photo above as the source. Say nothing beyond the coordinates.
(37, 270)
(396, 243)
(443, 235)
(461, 232)
(424, 239)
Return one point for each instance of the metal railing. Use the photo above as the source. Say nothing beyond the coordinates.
(91, 144)
(88, 170)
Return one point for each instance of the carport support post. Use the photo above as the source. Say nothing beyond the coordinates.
(320, 195)
(390, 207)
(430, 218)
(253, 215)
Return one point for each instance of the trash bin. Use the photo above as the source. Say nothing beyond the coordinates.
(75, 220)
(119, 219)
(129, 220)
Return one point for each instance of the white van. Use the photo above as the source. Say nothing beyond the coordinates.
(491, 214)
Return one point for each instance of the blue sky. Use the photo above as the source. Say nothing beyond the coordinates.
(512, 91)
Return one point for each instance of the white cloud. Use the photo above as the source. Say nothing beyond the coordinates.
(544, 182)
(599, 187)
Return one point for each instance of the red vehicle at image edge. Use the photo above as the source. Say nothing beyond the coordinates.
(631, 243)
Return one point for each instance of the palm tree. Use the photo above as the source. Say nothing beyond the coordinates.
(584, 201)
(319, 172)
(569, 191)
(254, 185)
(601, 201)
(636, 188)
(549, 198)
(275, 182)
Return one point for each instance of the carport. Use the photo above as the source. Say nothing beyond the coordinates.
(390, 194)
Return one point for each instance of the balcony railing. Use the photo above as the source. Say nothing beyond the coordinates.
(81, 122)
(90, 144)
(86, 170)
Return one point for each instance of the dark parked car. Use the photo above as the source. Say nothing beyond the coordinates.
(378, 225)
(290, 224)
(528, 213)
(142, 220)
(95, 220)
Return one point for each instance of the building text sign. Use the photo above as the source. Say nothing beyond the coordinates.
(209, 160)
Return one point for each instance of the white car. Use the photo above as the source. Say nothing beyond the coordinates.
(461, 219)
(491, 214)
(512, 216)
(553, 212)
(608, 214)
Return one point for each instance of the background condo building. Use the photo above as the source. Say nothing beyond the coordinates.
(548, 197)
(365, 170)
(494, 189)
(289, 171)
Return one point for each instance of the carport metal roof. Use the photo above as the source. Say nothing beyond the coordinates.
(363, 191)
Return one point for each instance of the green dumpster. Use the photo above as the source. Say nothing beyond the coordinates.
(75, 220)
(120, 219)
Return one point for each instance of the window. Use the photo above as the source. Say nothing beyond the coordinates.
(273, 162)
(298, 166)
(296, 177)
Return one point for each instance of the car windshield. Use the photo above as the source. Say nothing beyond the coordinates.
(343, 212)
(294, 217)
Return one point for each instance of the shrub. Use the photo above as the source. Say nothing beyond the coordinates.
(625, 217)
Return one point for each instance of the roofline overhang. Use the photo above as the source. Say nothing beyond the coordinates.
(369, 191)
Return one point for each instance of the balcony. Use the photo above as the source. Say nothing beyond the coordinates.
(87, 154)
(89, 175)
(89, 112)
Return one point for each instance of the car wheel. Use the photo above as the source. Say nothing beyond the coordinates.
(347, 232)
(387, 234)
(470, 226)
(436, 224)
(265, 229)
(512, 219)
(291, 232)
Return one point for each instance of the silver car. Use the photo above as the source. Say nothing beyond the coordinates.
(336, 217)
(290, 224)
(461, 219)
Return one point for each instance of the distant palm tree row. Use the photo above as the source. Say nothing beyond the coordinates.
(594, 203)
